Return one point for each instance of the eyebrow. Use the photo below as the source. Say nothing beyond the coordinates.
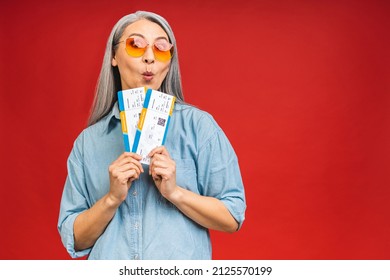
(140, 35)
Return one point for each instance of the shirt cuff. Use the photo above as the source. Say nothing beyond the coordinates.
(67, 237)
(237, 211)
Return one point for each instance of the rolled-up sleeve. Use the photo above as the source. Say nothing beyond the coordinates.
(219, 174)
(73, 200)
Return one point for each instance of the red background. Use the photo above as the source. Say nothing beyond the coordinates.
(301, 88)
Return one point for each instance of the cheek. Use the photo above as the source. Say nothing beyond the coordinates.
(164, 70)
(127, 70)
(127, 65)
(128, 75)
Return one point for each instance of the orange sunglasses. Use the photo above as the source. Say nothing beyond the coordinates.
(136, 47)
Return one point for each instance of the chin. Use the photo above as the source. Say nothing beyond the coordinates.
(152, 86)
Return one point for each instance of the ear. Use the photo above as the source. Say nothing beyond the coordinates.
(114, 62)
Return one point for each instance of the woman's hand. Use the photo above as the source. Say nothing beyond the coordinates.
(163, 171)
(90, 224)
(124, 170)
(204, 210)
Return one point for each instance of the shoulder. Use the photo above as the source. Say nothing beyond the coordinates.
(90, 135)
(98, 129)
(195, 117)
(196, 125)
(89, 132)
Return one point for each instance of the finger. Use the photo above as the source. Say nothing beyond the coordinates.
(158, 158)
(164, 173)
(131, 159)
(161, 163)
(129, 166)
(126, 161)
(133, 155)
(157, 161)
(159, 150)
(124, 177)
(124, 156)
(130, 175)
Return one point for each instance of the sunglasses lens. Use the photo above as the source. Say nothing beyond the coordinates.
(135, 47)
(162, 55)
(163, 50)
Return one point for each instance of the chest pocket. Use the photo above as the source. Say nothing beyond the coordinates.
(186, 174)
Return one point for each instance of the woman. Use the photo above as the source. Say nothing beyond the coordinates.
(113, 207)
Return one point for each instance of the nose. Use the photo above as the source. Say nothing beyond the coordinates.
(148, 56)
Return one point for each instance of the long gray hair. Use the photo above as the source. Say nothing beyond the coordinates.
(109, 83)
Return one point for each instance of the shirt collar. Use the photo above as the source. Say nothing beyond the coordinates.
(114, 114)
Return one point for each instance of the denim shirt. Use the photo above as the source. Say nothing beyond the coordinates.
(146, 225)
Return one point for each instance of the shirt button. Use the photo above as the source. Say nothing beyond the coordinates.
(135, 193)
(136, 225)
(136, 257)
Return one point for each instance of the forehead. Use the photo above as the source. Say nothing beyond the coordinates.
(146, 28)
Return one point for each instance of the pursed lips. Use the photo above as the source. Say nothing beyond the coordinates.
(147, 75)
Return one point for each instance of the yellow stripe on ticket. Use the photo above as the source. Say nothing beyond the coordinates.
(123, 121)
(142, 118)
(172, 105)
